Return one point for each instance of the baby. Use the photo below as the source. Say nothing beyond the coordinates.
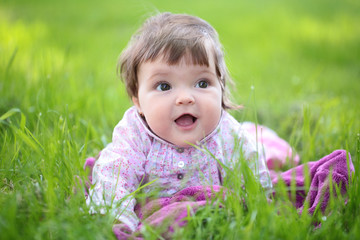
(178, 131)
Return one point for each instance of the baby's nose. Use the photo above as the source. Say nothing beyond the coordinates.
(184, 99)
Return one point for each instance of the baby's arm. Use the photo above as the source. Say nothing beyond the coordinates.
(116, 174)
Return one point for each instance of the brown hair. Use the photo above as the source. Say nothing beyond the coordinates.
(173, 36)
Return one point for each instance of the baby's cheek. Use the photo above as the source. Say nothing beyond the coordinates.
(159, 127)
(212, 119)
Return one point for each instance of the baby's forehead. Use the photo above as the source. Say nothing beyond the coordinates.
(160, 62)
(160, 67)
(187, 56)
(185, 67)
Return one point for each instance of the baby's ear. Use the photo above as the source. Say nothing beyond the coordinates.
(136, 102)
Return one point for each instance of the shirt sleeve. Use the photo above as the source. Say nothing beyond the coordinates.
(243, 145)
(256, 159)
(117, 173)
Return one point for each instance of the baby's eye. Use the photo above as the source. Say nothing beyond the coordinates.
(202, 84)
(163, 87)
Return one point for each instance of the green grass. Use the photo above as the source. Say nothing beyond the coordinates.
(60, 99)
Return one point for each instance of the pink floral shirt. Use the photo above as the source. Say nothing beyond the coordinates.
(137, 156)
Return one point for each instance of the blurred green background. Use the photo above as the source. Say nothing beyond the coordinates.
(296, 65)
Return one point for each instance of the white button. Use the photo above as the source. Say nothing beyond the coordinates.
(181, 164)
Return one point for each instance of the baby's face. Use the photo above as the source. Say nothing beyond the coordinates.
(181, 103)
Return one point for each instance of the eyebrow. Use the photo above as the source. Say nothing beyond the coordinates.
(207, 71)
(161, 73)
(158, 74)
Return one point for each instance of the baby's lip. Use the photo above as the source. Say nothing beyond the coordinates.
(185, 120)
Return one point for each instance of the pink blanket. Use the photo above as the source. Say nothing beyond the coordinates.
(336, 165)
(168, 213)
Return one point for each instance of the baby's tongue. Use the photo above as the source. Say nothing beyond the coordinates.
(184, 120)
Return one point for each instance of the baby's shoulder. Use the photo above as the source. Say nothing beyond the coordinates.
(229, 123)
(131, 126)
(232, 128)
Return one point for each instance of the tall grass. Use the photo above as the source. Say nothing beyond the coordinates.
(60, 99)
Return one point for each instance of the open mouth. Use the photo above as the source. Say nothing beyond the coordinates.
(185, 120)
